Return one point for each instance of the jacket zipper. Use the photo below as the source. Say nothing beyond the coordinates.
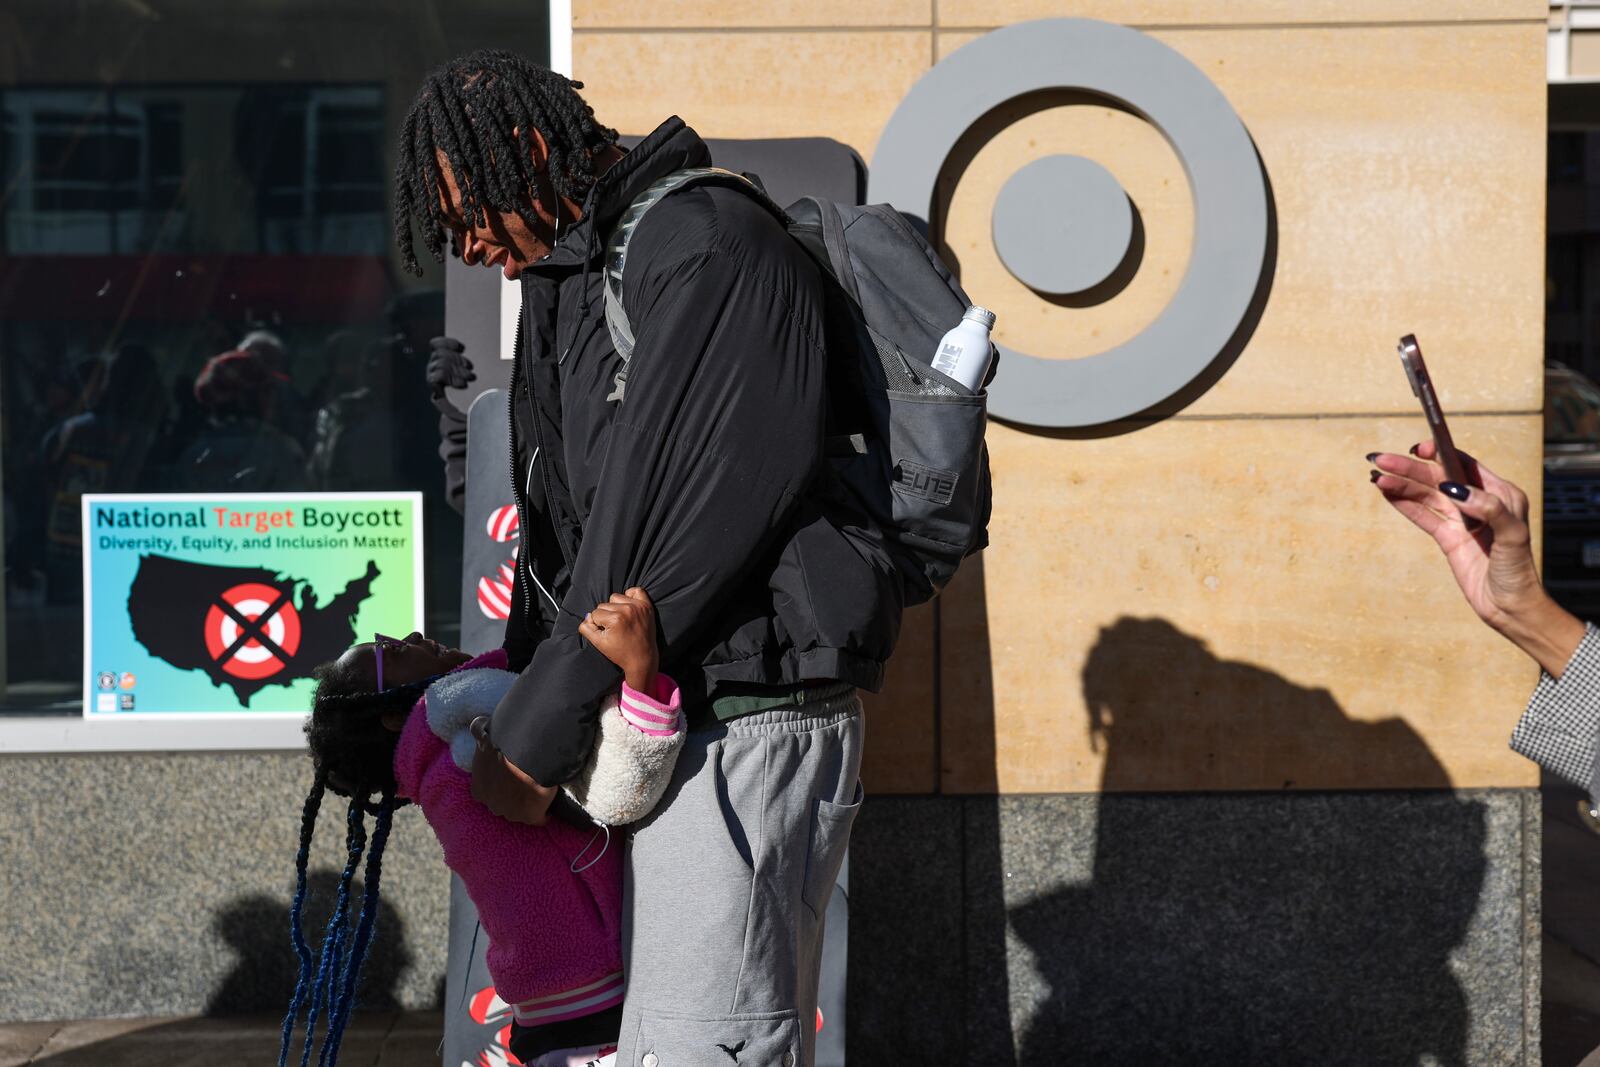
(518, 493)
(518, 497)
(544, 474)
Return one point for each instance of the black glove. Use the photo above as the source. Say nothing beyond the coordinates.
(447, 366)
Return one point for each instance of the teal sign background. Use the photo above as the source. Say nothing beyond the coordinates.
(183, 545)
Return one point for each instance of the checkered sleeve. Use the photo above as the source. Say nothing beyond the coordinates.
(1560, 731)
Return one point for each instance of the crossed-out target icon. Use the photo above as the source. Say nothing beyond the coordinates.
(252, 630)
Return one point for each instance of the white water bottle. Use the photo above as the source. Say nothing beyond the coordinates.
(963, 353)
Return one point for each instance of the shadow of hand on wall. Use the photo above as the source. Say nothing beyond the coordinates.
(1313, 928)
(256, 928)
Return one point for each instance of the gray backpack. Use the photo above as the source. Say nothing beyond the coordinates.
(905, 443)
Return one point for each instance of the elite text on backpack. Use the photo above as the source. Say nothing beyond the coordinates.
(906, 447)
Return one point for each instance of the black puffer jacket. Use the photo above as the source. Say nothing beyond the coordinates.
(697, 484)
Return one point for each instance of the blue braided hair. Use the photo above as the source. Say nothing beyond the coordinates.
(363, 936)
(333, 937)
(353, 753)
(308, 826)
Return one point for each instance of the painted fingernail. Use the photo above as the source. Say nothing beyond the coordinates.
(1376, 475)
(1454, 490)
(1372, 457)
(1412, 450)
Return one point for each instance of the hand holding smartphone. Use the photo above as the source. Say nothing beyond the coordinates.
(1422, 389)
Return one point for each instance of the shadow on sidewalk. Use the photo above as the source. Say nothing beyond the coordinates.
(243, 1018)
(383, 1039)
(256, 928)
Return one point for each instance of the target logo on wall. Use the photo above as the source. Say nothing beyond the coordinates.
(1065, 227)
(252, 631)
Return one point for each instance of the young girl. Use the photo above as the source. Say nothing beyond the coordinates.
(394, 719)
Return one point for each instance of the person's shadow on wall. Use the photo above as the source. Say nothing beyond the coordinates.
(1251, 928)
(256, 928)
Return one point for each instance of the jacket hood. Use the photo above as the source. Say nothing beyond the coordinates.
(672, 146)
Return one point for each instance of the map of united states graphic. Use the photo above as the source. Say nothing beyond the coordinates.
(242, 627)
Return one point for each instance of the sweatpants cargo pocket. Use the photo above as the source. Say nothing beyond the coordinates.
(830, 836)
(764, 1039)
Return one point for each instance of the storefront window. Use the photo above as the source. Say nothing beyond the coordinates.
(173, 189)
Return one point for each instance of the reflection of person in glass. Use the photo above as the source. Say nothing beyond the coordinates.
(414, 320)
(103, 450)
(353, 434)
(289, 412)
(238, 449)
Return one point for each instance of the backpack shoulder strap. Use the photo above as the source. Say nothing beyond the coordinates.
(616, 252)
(818, 226)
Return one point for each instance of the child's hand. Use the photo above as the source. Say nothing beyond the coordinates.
(624, 630)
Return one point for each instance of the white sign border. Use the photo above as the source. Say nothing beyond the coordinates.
(32, 734)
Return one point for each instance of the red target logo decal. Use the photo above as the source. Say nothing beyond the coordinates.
(252, 631)
(487, 1009)
(494, 590)
(494, 598)
(503, 524)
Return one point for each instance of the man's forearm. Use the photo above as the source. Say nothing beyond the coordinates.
(545, 723)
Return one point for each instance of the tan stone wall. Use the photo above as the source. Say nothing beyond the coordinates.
(1219, 600)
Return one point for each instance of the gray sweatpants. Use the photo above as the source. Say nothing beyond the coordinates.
(726, 886)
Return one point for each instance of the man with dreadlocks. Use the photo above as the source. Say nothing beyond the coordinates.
(698, 486)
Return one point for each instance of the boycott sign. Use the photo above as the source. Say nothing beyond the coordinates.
(224, 604)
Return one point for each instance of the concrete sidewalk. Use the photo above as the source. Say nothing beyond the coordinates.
(396, 1039)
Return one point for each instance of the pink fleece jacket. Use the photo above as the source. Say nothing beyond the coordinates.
(554, 933)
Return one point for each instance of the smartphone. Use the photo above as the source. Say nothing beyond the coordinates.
(1422, 389)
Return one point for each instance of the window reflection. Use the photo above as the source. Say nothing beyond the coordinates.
(196, 285)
